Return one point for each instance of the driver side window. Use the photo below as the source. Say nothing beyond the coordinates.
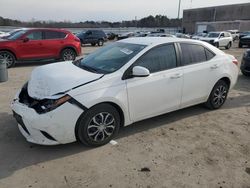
(35, 35)
(222, 35)
(159, 59)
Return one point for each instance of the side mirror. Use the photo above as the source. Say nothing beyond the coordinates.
(139, 71)
(26, 40)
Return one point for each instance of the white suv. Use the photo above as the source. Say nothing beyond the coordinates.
(219, 39)
(235, 34)
(122, 83)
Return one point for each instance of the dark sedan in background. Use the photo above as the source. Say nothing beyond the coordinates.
(245, 64)
(244, 41)
(243, 34)
(92, 37)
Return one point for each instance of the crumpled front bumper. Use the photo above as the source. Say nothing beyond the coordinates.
(52, 128)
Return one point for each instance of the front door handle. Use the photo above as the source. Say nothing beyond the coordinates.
(176, 76)
(215, 66)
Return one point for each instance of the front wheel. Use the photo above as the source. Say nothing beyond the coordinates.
(217, 45)
(8, 57)
(98, 125)
(229, 45)
(68, 55)
(218, 95)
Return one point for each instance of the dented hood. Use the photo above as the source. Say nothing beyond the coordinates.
(49, 80)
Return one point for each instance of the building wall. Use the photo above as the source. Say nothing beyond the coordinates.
(214, 14)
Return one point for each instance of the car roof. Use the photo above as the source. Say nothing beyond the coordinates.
(154, 40)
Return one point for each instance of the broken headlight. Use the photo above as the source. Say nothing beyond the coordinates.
(51, 104)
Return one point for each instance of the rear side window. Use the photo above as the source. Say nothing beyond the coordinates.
(159, 58)
(192, 54)
(35, 35)
(227, 35)
(54, 35)
(209, 54)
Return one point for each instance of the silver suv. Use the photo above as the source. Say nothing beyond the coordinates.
(219, 39)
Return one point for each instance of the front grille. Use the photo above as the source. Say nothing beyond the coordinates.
(37, 105)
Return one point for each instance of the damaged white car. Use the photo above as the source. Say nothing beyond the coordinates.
(125, 82)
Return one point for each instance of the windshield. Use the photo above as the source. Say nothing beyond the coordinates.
(246, 33)
(213, 35)
(109, 58)
(80, 34)
(16, 35)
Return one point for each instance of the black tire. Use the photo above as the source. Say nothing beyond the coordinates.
(229, 45)
(8, 57)
(93, 129)
(217, 45)
(100, 42)
(218, 95)
(245, 73)
(240, 45)
(68, 54)
(93, 44)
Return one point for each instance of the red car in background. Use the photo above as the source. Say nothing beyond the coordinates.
(39, 44)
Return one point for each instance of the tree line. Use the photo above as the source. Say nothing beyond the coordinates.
(150, 21)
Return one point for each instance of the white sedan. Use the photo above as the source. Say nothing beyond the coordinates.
(122, 83)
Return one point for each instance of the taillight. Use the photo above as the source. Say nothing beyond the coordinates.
(235, 62)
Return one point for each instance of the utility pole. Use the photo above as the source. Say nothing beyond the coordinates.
(179, 9)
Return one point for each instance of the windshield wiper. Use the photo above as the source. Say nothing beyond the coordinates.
(90, 69)
(85, 67)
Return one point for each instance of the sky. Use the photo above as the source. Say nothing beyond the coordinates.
(99, 10)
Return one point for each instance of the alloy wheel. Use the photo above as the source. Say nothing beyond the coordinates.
(220, 95)
(101, 127)
(100, 43)
(68, 55)
(7, 58)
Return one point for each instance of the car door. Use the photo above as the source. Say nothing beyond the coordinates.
(53, 43)
(200, 73)
(161, 91)
(30, 47)
(88, 37)
(229, 38)
(223, 39)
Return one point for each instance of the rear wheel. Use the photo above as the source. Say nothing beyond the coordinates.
(68, 55)
(98, 125)
(8, 57)
(218, 95)
(100, 42)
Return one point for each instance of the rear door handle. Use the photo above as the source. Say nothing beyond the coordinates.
(214, 67)
(176, 76)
